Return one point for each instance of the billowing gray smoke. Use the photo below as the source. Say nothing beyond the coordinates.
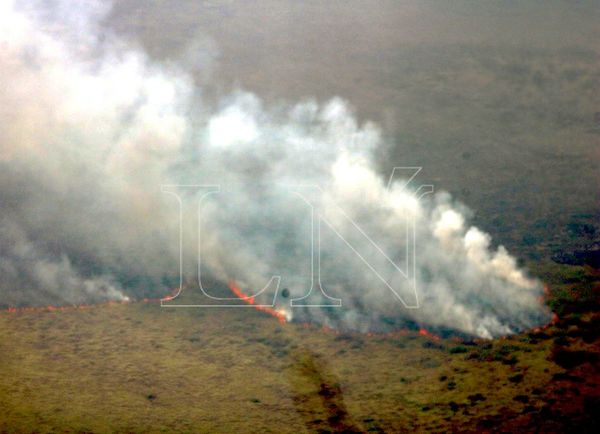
(91, 130)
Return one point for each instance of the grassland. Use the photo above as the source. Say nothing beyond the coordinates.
(140, 368)
(509, 126)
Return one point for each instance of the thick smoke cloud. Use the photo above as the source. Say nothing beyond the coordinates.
(92, 129)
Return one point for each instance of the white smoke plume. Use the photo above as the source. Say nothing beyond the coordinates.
(92, 128)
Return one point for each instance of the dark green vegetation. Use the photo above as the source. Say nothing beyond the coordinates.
(140, 368)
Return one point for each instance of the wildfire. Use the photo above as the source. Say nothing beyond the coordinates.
(52, 308)
(280, 315)
(542, 298)
(250, 300)
(425, 332)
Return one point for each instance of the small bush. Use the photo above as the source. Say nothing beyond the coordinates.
(458, 350)
(516, 378)
(432, 345)
(476, 397)
(511, 361)
(521, 398)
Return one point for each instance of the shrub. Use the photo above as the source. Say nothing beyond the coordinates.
(458, 350)
(517, 378)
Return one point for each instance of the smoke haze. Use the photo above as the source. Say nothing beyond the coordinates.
(93, 127)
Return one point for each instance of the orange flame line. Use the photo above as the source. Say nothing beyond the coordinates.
(426, 333)
(52, 308)
(250, 300)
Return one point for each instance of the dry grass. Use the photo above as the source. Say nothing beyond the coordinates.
(140, 368)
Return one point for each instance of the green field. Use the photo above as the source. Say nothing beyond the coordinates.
(141, 368)
(496, 101)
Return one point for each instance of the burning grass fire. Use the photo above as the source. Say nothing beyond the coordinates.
(280, 314)
(64, 308)
(217, 148)
(117, 240)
